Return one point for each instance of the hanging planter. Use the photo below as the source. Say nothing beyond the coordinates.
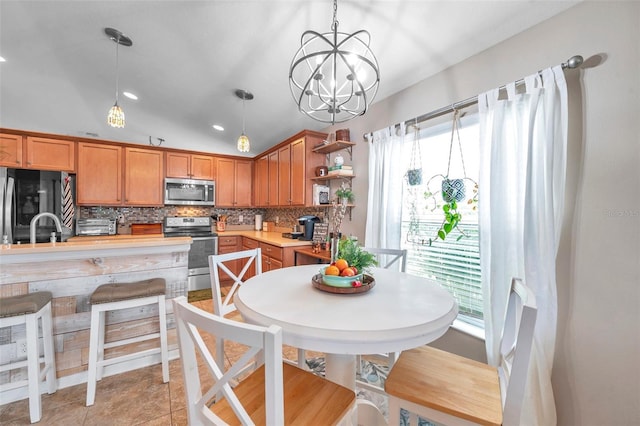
(452, 190)
(414, 174)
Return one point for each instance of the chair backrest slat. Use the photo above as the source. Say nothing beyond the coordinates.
(515, 349)
(390, 257)
(222, 305)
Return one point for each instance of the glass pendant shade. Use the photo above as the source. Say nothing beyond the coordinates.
(243, 143)
(116, 116)
(334, 76)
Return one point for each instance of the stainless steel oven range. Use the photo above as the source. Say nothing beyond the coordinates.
(205, 243)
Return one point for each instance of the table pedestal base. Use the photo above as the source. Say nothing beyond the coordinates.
(341, 369)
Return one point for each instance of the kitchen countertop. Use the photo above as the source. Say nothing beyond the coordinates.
(90, 245)
(274, 238)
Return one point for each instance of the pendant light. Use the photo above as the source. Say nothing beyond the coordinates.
(115, 118)
(334, 76)
(243, 141)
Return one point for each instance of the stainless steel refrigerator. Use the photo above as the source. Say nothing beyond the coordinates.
(26, 193)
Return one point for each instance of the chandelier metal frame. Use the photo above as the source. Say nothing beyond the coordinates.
(334, 76)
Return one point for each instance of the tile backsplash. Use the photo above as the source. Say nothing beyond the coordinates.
(285, 217)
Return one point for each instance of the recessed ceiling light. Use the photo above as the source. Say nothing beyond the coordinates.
(218, 127)
(130, 95)
(2, 59)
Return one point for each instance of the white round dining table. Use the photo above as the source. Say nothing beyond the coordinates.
(401, 311)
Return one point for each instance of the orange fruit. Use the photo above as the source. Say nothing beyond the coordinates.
(347, 272)
(342, 264)
(332, 270)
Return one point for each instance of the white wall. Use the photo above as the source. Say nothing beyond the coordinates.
(596, 374)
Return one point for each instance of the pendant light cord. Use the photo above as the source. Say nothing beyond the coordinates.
(117, 40)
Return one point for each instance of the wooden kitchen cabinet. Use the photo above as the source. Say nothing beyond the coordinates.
(10, 150)
(291, 174)
(190, 166)
(249, 244)
(234, 182)
(99, 175)
(229, 245)
(271, 257)
(266, 181)
(50, 154)
(37, 153)
(144, 177)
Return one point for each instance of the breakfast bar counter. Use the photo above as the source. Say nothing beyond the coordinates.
(71, 271)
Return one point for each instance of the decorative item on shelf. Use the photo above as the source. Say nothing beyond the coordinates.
(338, 160)
(244, 145)
(343, 135)
(452, 191)
(322, 171)
(414, 174)
(334, 76)
(344, 194)
(115, 118)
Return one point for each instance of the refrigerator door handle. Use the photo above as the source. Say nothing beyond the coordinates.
(8, 202)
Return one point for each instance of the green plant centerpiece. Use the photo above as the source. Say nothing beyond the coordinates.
(356, 256)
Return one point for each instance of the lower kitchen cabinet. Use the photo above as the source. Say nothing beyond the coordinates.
(249, 244)
(229, 244)
(272, 257)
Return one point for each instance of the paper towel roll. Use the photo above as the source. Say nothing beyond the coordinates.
(258, 222)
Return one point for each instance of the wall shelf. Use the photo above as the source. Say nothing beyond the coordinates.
(332, 177)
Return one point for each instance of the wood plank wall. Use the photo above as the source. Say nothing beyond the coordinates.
(71, 282)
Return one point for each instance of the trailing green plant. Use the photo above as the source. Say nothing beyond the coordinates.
(345, 192)
(452, 216)
(349, 250)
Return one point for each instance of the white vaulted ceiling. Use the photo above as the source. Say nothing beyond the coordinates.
(188, 57)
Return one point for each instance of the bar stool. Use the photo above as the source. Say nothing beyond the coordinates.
(115, 296)
(27, 309)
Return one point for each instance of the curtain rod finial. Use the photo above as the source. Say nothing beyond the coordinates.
(573, 62)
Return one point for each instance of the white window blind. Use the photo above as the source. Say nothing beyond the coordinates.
(454, 263)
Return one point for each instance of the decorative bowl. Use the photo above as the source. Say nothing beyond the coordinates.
(337, 281)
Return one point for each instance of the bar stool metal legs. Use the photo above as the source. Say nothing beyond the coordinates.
(110, 297)
(28, 309)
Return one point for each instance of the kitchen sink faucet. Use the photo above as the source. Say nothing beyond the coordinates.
(34, 222)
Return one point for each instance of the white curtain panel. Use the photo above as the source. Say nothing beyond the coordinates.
(523, 143)
(384, 208)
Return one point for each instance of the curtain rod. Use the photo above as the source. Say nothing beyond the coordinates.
(573, 62)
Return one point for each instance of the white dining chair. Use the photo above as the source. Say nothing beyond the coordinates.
(275, 393)
(387, 259)
(223, 303)
(449, 389)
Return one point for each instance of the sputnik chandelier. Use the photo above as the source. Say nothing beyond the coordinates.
(116, 115)
(334, 76)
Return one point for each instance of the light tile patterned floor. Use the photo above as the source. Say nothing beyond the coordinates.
(135, 398)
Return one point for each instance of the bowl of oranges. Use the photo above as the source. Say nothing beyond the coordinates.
(340, 274)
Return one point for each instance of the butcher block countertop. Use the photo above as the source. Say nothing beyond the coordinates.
(274, 238)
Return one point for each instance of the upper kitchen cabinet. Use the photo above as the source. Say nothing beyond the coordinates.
(10, 150)
(291, 174)
(266, 180)
(102, 168)
(144, 176)
(234, 182)
(50, 154)
(190, 166)
(37, 153)
(99, 177)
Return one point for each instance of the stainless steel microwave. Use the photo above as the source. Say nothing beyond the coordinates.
(189, 192)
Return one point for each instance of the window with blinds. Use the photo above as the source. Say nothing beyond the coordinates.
(454, 262)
